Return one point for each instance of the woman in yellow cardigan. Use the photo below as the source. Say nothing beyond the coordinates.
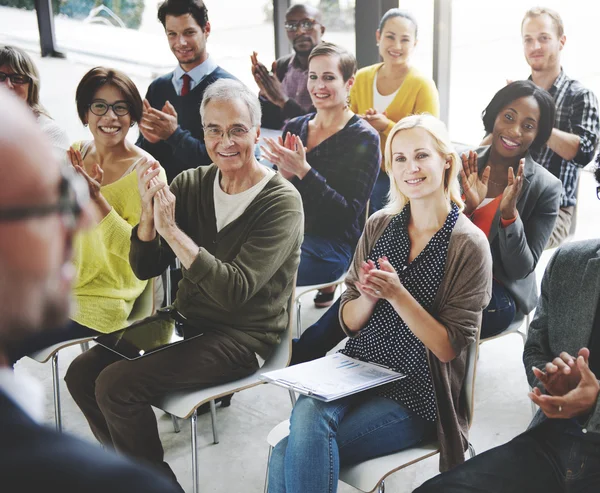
(386, 92)
(105, 286)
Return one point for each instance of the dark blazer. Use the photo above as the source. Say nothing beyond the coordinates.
(517, 248)
(34, 458)
(564, 317)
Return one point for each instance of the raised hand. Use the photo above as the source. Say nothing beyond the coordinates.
(94, 180)
(474, 187)
(164, 211)
(363, 273)
(158, 125)
(379, 121)
(289, 155)
(384, 282)
(508, 205)
(149, 184)
(269, 85)
(577, 401)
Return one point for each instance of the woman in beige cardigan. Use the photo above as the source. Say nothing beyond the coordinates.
(421, 275)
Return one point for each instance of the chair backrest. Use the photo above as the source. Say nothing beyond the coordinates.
(282, 354)
(470, 374)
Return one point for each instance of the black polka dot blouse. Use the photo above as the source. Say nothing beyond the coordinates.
(386, 339)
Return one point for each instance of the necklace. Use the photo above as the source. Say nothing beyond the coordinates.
(501, 185)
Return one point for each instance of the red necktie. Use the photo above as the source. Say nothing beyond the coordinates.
(186, 84)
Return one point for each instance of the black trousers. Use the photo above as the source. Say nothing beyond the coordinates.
(545, 459)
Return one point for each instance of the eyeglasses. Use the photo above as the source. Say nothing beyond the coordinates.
(234, 133)
(100, 108)
(18, 79)
(73, 196)
(305, 25)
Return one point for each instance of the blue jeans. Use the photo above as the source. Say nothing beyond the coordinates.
(322, 260)
(379, 195)
(499, 313)
(319, 338)
(324, 435)
(545, 459)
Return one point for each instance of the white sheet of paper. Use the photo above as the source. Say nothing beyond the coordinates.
(332, 377)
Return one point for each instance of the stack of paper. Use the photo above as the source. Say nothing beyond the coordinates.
(331, 377)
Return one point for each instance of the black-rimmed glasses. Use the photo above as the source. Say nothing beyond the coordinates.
(305, 25)
(100, 108)
(18, 79)
(73, 197)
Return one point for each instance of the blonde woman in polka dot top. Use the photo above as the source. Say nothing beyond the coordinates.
(421, 275)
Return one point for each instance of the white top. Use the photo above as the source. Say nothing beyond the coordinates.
(57, 137)
(198, 73)
(25, 391)
(229, 207)
(484, 202)
(381, 102)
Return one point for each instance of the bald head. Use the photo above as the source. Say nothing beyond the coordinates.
(26, 160)
(34, 251)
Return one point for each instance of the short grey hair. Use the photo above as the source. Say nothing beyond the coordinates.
(228, 89)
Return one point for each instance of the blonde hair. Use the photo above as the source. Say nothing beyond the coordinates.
(553, 14)
(436, 128)
(21, 63)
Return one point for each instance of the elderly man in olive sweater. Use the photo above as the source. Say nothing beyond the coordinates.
(236, 227)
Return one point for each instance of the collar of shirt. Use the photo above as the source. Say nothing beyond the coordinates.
(25, 391)
(560, 81)
(196, 74)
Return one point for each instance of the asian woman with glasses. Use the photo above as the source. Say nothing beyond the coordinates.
(105, 287)
(19, 75)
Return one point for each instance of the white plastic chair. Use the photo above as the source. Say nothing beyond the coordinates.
(369, 476)
(184, 404)
(142, 308)
(303, 290)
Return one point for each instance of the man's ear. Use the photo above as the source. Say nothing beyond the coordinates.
(322, 29)
(562, 40)
(206, 29)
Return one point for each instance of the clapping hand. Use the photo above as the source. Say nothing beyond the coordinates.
(379, 121)
(158, 125)
(149, 184)
(576, 400)
(164, 212)
(508, 205)
(474, 187)
(382, 283)
(269, 85)
(289, 155)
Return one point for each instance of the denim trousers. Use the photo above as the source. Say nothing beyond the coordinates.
(322, 260)
(545, 459)
(319, 338)
(325, 435)
(379, 195)
(499, 313)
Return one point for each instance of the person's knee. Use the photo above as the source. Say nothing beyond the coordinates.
(113, 386)
(78, 378)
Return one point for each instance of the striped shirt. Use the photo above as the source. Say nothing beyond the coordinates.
(576, 113)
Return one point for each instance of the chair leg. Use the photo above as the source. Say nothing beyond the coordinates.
(56, 388)
(293, 397)
(175, 422)
(471, 451)
(194, 431)
(267, 473)
(213, 417)
(84, 346)
(381, 488)
(299, 317)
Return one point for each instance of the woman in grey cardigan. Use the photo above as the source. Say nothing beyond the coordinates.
(511, 198)
(420, 277)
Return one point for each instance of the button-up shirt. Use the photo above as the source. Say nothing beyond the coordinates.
(196, 74)
(576, 113)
